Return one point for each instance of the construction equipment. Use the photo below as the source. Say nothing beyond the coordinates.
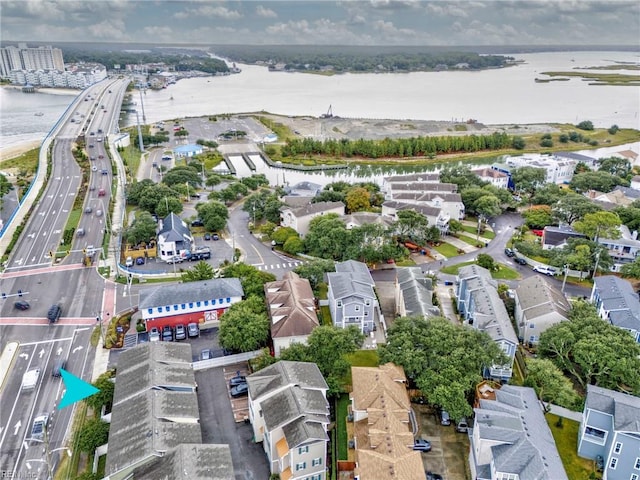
(329, 113)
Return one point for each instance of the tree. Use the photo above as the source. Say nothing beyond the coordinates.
(282, 234)
(600, 181)
(631, 270)
(152, 195)
(135, 190)
(593, 351)
(444, 360)
(244, 326)
(547, 194)
(181, 133)
(487, 206)
(410, 222)
(581, 259)
(597, 225)
(455, 226)
(585, 125)
(486, 261)
(613, 129)
(550, 384)
(314, 271)
(518, 143)
(546, 143)
(629, 216)
(527, 179)
(168, 205)
(293, 245)
(328, 237)
(103, 398)
(5, 186)
(251, 278)
(327, 347)
(572, 207)
(262, 361)
(200, 271)
(182, 175)
(142, 229)
(461, 175)
(213, 214)
(620, 167)
(94, 433)
(358, 200)
(538, 216)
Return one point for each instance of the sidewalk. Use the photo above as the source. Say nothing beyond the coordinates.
(445, 294)
(459, 244)
(565, 413)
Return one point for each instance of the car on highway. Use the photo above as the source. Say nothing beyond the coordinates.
(422, 445)
(98, 213)
(102, 192)
(105, 171)
(140, 261)
(54, 313)
(154, 334)
(92, 159)
(167, 334)
(239, 390)
(39, 427)
(22, 305)
(58, 365)
(128, 262)
(91, 146)
(101, 156)
(94, 169)
(88, 210)
(181, 332)
(193, 330)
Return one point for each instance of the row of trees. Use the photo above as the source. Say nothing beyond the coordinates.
(399, 147)
(357, 197)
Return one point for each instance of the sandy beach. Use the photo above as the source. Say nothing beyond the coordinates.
(17, 150)
(48, 90)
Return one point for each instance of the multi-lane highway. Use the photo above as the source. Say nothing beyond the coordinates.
(44, 281)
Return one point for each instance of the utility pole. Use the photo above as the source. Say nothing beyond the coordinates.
(144, 118)
(139, 132)
(566, 273)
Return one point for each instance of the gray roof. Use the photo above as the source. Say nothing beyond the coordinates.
(575, 156)
(537, 298)
(620, 301)
(427, 196)
(190, 461)
(311, 188)
(518, 435)
(176, 294)
(426, 210)
(491, 315)
(625, 408)
(628, 192)
(365, 218)
(292, 403)
(417, 292)
(285, 373)
(343, 285)
(313, 208)
(470, 271)
(556, 236)
(424, 186)
(413, 177)
(295, 201)
(174, 229)
(358, 271)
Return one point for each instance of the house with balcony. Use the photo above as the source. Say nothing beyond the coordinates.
(557, 170)
(193, 302)
(481, 307)
(384, 425)
(352, 300)
(622, 250)
(289, 413)
(434, 215)
(291, 307)
(494, 177)
(174, 237)
(444, 196)
(511, 439)
(299, 218)
(414, 293)
(610, 431)
(538, 306)
(617, 303)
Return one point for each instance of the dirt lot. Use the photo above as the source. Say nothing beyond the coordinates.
(355, 128)
(450, 450)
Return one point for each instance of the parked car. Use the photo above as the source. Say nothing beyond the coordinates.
(128, 262)
(215, 236)
(154, 334)
(54, 313)
(140, 261)
(205, 354)
(462, 426)
(445, 419)
(520, 261)
(167, 334)
(175, 259)
(197, 223)
(422, 445)
(509, 253)
(434, 476)
(181, 332)
(193, 330)
(39, 427)
(59, 364)
(22, 305)
(237, 380)
(239, 390)
(207, 236)
(550, 271)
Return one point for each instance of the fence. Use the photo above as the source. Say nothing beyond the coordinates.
(228, 360)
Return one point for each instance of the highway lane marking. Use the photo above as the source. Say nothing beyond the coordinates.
(47, 341)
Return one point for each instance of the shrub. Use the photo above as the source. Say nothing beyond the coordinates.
(518, 143)
(546, 143)
(585, 125)
(563, 138)
(613, 129)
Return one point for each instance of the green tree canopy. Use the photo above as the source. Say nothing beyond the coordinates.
(103, 398)
(444, 360)
(282, 234)
(94, 433)
(572, 207)
(314, 271)
(527, 179)
(143, 229)
(168, 205)
(245, 325)
(600, 181)
(358, 199)
(213, 214)
(462, 176)
(151, 195)
(600, 224)
(550, 383)
(251, 278)
(182, 175)
(328, 237)
(200, 271)
(538, 216)
(619, 167)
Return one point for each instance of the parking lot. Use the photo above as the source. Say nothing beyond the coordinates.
(450, 449)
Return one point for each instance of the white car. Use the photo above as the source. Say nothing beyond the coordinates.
(128, 262)
(546, 270)
(154, 334)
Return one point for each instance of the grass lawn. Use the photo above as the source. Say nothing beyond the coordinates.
(407, 262)
(326, 315)
(471, 241)
(474, 230)
(74, 218)
(567, 443)
(503, 273)
(131, 158)
(453, 269)
(363, 358)
(323, 291)
(341, 424)
(28, 161)
(447, 250)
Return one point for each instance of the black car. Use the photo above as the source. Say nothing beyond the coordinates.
(207, 236)
(59, 365)
(237, 380)
(197, 223)
(54, 313)
(239, 390)
(520, 261)
(433, 476)
(22, 305)
(509, 253)
(167, 334)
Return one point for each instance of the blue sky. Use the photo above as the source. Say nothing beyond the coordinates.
(347, 22)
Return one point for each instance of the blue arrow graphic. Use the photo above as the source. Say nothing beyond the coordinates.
(76, 389)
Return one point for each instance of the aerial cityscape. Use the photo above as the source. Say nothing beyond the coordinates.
(320, 240)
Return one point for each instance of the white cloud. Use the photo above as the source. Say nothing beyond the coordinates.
(208, 11)
(158, 31)
(265, 12)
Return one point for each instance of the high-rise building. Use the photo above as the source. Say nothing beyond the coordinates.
(26, 58)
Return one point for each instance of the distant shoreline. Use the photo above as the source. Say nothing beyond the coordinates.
(49, 90)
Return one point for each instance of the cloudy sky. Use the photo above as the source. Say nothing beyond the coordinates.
(347, 22)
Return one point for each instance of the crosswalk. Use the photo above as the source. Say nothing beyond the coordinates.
(287, 265)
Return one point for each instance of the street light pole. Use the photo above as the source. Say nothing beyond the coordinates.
(595, 271)
(566, 273)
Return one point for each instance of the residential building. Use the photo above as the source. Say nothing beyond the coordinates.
(396, 187)
(434, 215)
(182, 303)
(539, 306)
(511, 439)
(289, 413)
(357, 219)
(629, 155)
(23, 57)
(591, 162)
(292, 310)
(155, 419)
(558, 170)
(449, 203)
(610, 429)
(617, 303)
(556, 237)
(414, 293)
(494, 177)
(506, 169)
(481, 307)
(384, 425)
(174, 238)
(303, 189)
(300, 218)
(410, 177)
(188, 151)
(635, 182)
(352, 300)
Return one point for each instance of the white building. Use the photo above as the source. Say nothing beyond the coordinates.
(558, 170)
(494, 177)
(29, 58)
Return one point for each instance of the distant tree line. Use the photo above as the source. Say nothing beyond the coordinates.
(400, 147)
(359, 59)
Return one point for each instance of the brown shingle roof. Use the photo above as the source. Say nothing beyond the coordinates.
(291, 306)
